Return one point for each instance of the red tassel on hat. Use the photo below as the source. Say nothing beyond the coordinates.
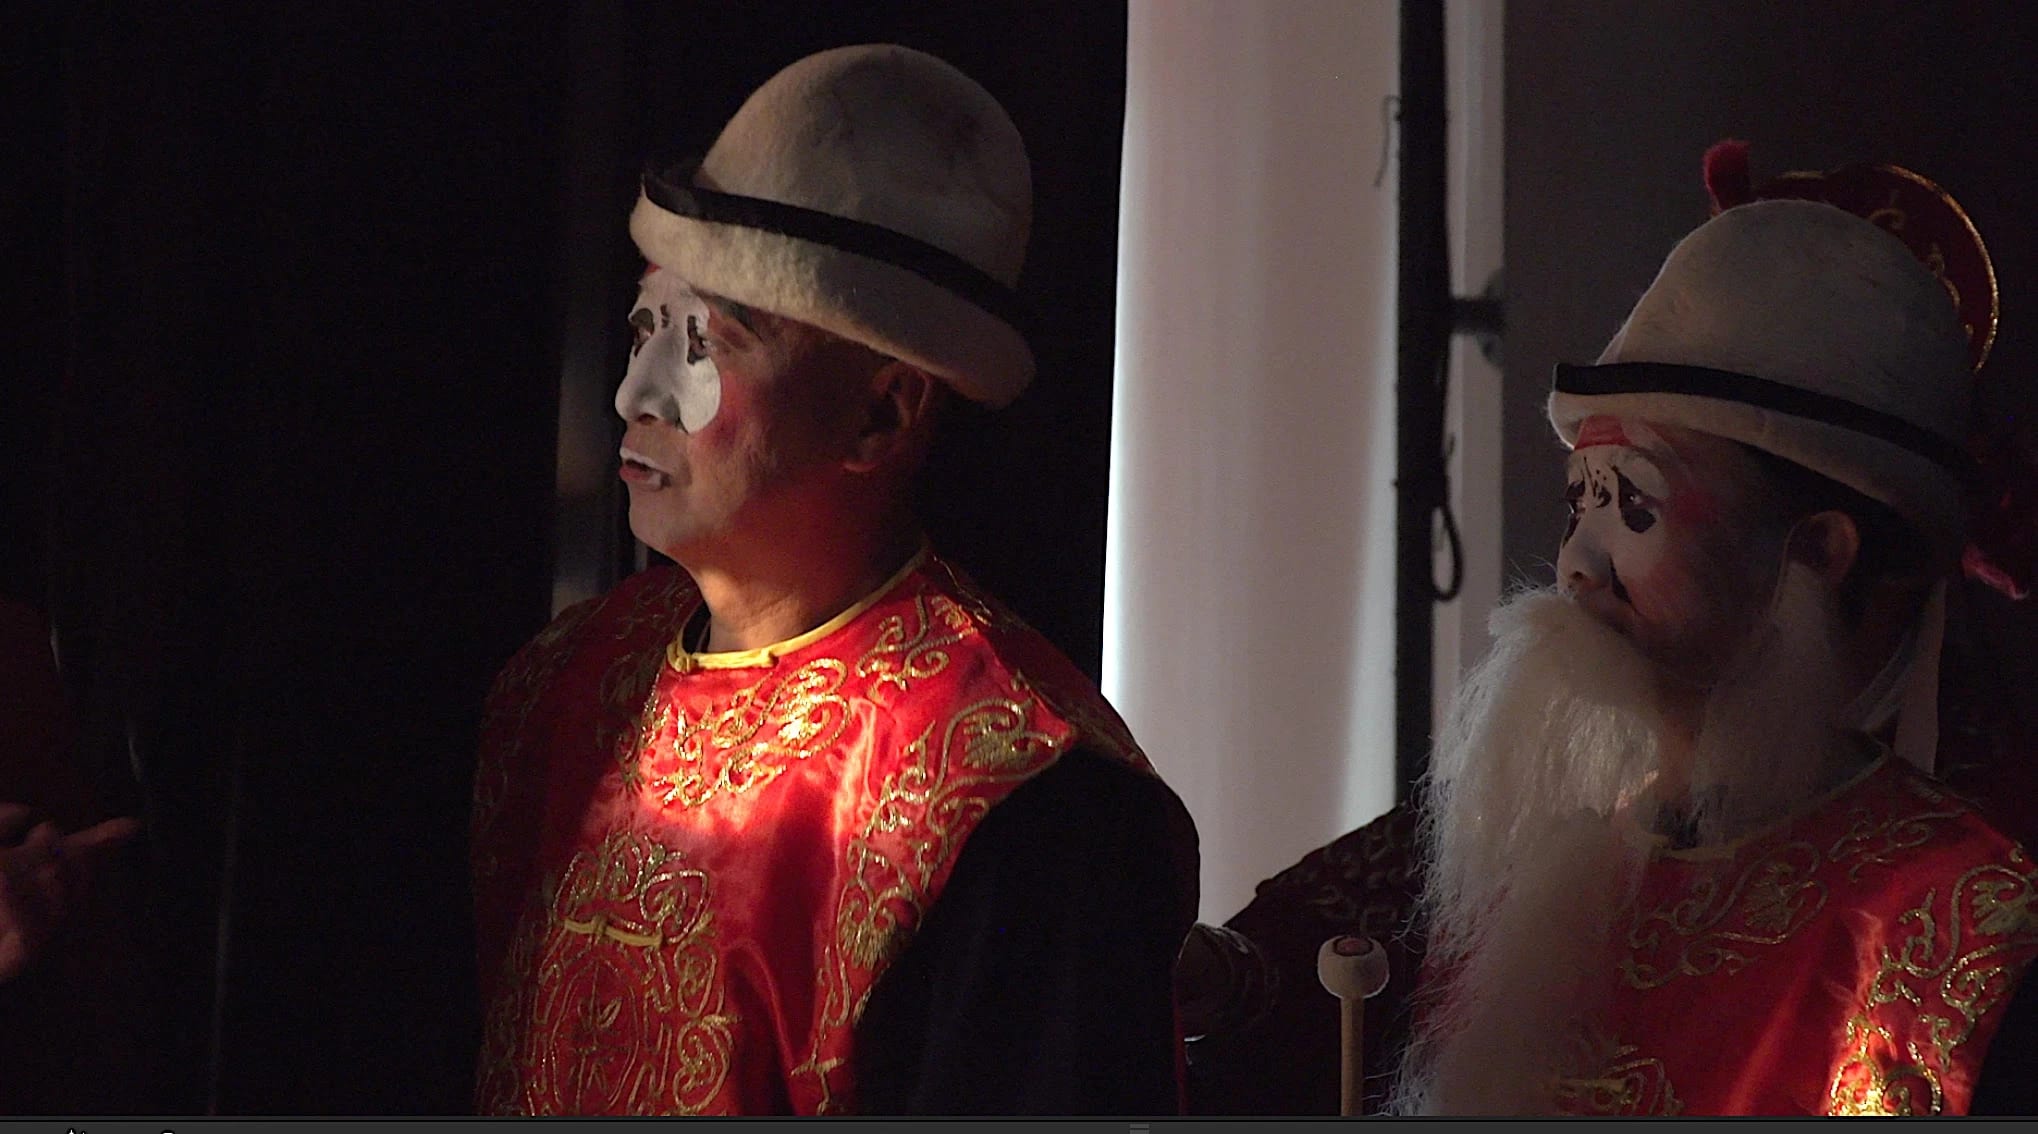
(1727, 180)
(2003, 549)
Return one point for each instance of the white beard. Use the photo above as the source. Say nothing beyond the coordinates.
(1540, 793)
(1765, 745)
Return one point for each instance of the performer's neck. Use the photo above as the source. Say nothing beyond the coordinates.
(791, 586)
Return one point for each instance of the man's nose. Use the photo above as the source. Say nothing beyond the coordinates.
(637, 400)
(1582, 567)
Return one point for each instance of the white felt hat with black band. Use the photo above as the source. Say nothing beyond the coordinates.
(1807, 332)
(875, 192)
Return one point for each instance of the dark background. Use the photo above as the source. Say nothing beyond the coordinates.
(316, 341)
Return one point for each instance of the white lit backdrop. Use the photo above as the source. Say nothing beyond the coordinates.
(1249, 586)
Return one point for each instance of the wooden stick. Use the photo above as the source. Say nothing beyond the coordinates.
(1351, 969)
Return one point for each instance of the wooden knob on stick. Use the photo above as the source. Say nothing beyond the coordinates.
(1351, 969)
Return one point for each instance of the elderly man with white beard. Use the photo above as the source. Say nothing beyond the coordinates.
(1680, 848)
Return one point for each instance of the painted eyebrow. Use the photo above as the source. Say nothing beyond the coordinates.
(1652, 462)
(1650, 470)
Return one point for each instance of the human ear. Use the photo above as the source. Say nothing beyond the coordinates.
(898, 414)
(1829, 543)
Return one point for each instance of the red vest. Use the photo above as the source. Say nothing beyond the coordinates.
(1855, 961)
(691, 869)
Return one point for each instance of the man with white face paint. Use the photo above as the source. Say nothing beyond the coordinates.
(1681, 847)
(813, 825)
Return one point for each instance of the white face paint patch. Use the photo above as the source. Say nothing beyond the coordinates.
(1616, 498)
(672, 374)
(1619, 492)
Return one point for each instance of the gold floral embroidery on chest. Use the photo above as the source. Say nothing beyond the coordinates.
(629, 996)
(781, 718)
(685, 759)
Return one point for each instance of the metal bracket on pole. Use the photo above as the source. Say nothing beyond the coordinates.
(1483, 318)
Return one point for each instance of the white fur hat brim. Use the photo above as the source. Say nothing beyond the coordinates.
(891, 309)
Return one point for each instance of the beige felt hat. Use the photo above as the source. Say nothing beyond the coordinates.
(1808, 332)
(872, 191)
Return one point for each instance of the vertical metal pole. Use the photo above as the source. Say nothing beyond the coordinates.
(1423, 312)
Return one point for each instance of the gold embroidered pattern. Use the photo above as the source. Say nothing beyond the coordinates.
(628, 682)
(653, 721)
(623, 1000)
(783, 719)
(920, 812)
(1620, 1080)
(1959, 959)
(1878, 840)
(1720, 922)
(498, 1085)
(518, 690)
(903, 654)
(1865, 1085)
(988, 612)
(1893, 218)
(1712, 926)
(630, 675)
(1365, 879)
(914, 827)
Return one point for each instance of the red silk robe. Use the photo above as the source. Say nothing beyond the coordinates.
(691, 869)
(1854, 961)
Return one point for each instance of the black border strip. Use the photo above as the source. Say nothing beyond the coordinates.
(943, 269)
(1725, 385)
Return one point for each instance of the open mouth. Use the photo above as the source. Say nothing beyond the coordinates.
(637, 470)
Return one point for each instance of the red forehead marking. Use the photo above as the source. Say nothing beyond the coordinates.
(1601, 430)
